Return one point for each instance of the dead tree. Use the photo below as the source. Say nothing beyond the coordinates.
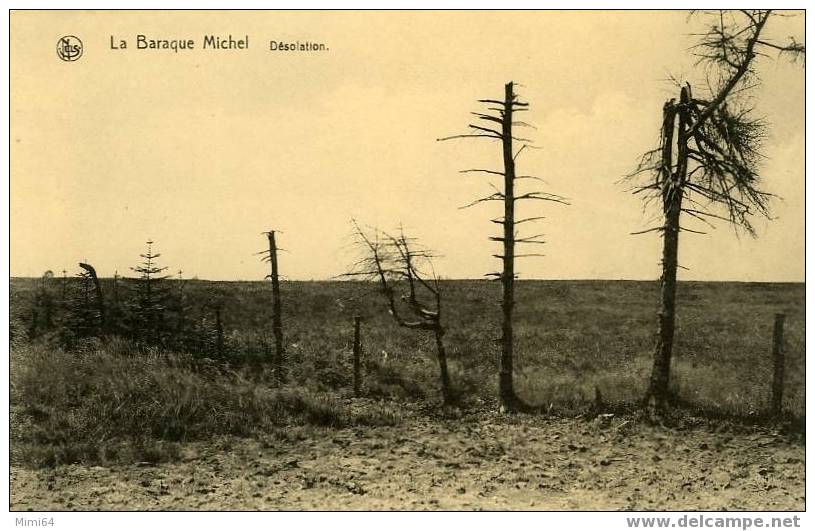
(83, 318)
(392, 261)
(502, 112)
(706, 165)
(279, 361)
(97, 287)
(181, 309)
(64, 284)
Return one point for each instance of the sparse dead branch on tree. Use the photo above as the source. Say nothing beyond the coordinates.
(398, 261)
(709, 157)
(270, 255)
(504, 111)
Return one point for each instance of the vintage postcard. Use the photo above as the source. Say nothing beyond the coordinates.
(408, 260)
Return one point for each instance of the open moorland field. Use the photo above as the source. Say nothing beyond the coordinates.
(108, 425)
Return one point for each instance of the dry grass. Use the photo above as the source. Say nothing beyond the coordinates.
(105, 404)
(571, 337)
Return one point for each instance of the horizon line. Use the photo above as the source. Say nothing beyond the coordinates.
(444, 279)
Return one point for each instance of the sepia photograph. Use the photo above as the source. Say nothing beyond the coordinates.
(408, 260)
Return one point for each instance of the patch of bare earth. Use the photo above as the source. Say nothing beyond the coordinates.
(479, 462)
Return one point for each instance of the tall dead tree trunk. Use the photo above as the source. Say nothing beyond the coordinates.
(506, 385)
(277, 320)
(504, 112)
(671, 208)
(100, 301)
(64, 284)
(716, 146)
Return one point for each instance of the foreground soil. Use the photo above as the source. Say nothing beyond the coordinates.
(486, 461)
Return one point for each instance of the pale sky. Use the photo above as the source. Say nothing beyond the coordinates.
(203, 150)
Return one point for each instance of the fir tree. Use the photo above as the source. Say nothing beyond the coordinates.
(151, 300)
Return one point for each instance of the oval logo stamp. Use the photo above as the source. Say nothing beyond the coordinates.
(69, 48)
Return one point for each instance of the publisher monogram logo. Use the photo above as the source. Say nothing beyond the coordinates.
(69, 48)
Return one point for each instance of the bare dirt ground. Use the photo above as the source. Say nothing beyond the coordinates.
(484, 461)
